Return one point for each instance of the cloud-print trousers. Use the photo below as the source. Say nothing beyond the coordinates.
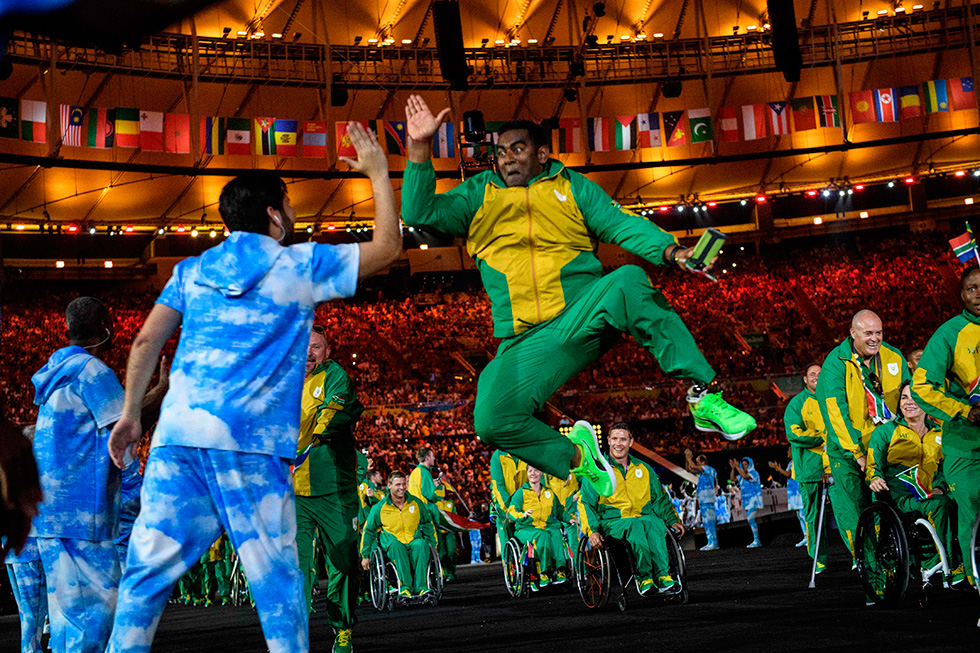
(27, 582)
(188, 496)
(82, 577)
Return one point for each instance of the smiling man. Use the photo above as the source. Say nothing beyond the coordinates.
(532, 228)
(947, 387)
(858, 390)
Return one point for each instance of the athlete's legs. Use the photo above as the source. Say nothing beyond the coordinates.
(849, 496)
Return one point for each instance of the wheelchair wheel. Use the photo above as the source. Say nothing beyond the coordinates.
(436, 579)
(593, 574)
(675, 554)
(513, 564)
(882, 553)
(380, 598)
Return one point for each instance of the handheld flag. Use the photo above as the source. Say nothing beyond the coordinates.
(913, 481)
(965, 247)
(450, 521)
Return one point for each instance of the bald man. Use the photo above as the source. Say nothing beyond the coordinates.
(858, 389)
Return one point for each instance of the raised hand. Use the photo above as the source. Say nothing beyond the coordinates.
(371, 159)
(125, 434)
(422, 125)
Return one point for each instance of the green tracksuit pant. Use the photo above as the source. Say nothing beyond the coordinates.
(191, 583)
(648, 539)
(333, 516)
(849, 496)
(448, 552)
(222, 571)
(810, 494)
(963, 478)
(939, 511)
(411, 561)
(549, 547)
(529, 368)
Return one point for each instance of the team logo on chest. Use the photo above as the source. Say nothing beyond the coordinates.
(893, 369)
(638, 472)
(547, 494)
(318, 392)
(411, 509)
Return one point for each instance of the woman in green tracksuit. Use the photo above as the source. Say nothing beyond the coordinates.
(947, 386)
(537, 512)
(914, 441)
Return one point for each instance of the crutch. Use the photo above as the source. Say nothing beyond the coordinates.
(816, 545)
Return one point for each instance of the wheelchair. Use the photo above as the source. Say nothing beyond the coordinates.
(597, 568)
(890, 547)
(519, 568)
(385, 585)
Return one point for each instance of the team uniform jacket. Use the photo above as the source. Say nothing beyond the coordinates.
(327, 458)
(844, 402)
(807, 437)
(639, 493)
(421, 485)
(895, 447)
(411, 522)
(546, 509)
(507, 474)
(534, 246)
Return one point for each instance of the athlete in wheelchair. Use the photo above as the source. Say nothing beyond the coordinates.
(537, 555)
(398, 549)
(626, 536)
(910, 529)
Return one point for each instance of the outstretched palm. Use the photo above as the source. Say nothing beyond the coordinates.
(422, 125)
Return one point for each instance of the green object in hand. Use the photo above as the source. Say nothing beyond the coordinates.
(707, 249)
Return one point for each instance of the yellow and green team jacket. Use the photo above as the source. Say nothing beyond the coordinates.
(411, 522)
(326, 458)
(368, 501)
(534, 246)
(421, 485)
(638, 493)
(947, 381)
(807, 437)
(843, 401)
(506, 475)
(546, 509)
(895, 447)
(565, 491)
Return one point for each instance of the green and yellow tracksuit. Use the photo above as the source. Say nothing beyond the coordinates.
(556, 313)
(639, 511)
(566, 492)
(421, 485)
(507, 473)
(541, 529)
(325, 481)
(405, 534)
(366, 500)
(894, 448)
(946, 386)
(808, 443)
(852, 406)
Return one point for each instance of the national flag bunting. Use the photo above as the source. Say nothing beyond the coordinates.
(827, 111)
(177, 133)
(729, 124)
(285, 135)
(862, 107)
(754, 121)
(395, 134)
(314, 139)
(444, 141)
(700, 122)
(961, 94)
(909, 104)
(648, 130)
(975, 392)
(238, 136)
(935, 95)
(127, 127)
(965, 247)
(885, 106)
(345, 147)
(568, 136)
(213, 135)
(675, 129)
(598, 132)
(778, 118)
(915, 482)
(151, 131)
(33, 121)
(71, 125)
(101, 128)
(626, 133)
(804, 116)
(265, 136)
(9, 118)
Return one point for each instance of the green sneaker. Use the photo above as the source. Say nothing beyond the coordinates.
(645, 585)
(594, 467)
(560, 577)
(665, 583)
(821, 567)
(543, 580)
(342, 641)
(713, 414)
(957, 578)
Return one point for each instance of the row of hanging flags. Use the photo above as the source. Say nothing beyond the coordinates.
(156, 131)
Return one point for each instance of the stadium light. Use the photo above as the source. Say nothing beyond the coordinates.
(959, 173)
(73, 228)
(826, 192)
(19, 227)
(92, 230)
(161, 231)
(968, 201)
(181, 230)
(423, 246)
(811, 193)
(863, 214)
(107, 264)
(760, 199)
(213, 233)
(712, 204)
(128, 230)
(891, 184)
(859, 187)
(818, 220)
(59, 264)
(664, 209)
(194, 232)
(909, 180)
(744, 202)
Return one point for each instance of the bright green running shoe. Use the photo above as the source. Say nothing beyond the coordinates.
(594, 465)
(666, 583)
(713, 414)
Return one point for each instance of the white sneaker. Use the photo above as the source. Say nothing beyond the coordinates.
(709, 547)
(801, 543)
(755, 545)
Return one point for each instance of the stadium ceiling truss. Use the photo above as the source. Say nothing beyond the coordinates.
(415, 65)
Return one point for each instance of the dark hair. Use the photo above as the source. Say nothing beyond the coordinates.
(966, 273)
(898, 408)
(423, 453)
(621, 426)
(809, 365)
(85, 318)
(537, 133)
(245, 198)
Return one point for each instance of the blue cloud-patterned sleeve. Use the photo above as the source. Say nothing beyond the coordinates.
(173, 293)
(102, 393)
(335, 271)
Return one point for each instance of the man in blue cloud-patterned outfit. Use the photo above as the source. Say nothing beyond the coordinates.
(229, 424)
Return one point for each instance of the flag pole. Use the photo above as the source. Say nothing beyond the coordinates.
(976, 252)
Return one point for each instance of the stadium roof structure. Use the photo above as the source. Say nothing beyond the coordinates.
(313, 60)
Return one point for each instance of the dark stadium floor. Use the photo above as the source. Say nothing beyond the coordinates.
(740, 600)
